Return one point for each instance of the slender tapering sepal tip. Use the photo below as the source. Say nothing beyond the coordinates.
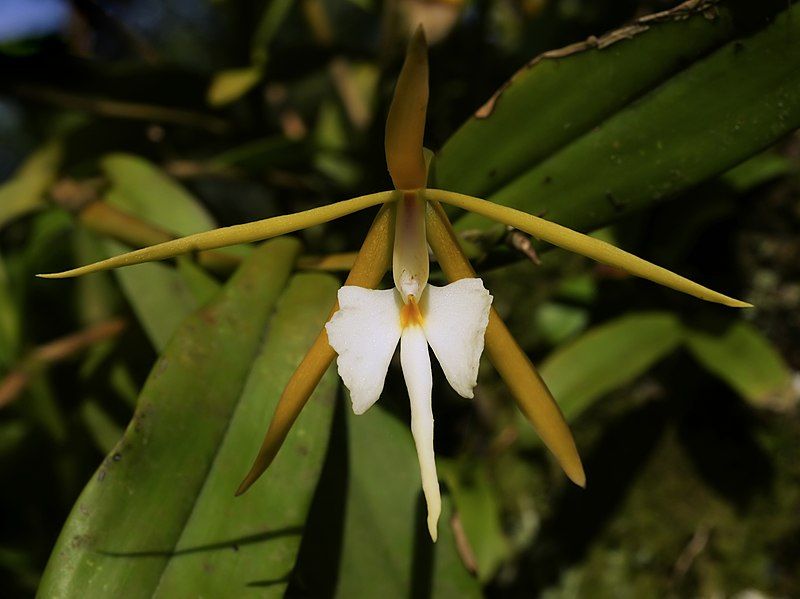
(577, 475)
(405, 125)
(245, 233)
(583, 244)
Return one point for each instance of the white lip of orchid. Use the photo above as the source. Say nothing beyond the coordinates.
(369, 324)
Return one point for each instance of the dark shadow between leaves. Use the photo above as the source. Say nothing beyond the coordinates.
(581, 515)
(718, 434)
(233, 544)
(316, 572)
(422, 566)
(269, 582)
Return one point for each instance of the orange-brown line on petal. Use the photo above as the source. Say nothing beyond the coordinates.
(371, 264)
(527, 387)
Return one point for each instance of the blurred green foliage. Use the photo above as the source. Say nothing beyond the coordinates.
(139, 120)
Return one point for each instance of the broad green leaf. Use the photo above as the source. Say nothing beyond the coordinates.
(561, 95)
(743, 358)
(478, 508)
(719, 110)
(160, 295)
(608, 357)
(159, 514)
(269, 519)
(758, 170)
(381, 517)
(24, 191)
(202, 285)
(146, 191)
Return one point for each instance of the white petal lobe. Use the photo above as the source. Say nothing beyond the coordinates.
(455, 319)
(416, 364)
(364, 332)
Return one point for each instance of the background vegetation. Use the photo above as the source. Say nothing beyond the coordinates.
(126, 122)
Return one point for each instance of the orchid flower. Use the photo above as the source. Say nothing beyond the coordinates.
(456, 320)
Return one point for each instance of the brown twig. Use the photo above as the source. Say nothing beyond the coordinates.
(463, 546)
(694, 547)
(328, 262)
(523, 244)
(124, 110)
(55, 351)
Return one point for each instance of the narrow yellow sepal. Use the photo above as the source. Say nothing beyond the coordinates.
(371, 264)
(405, 125)
(225, 236)
(528, 389)
(582, 244)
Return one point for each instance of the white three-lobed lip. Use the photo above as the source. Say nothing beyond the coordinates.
(365, 332)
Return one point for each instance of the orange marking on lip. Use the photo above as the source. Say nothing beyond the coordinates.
(410, 314)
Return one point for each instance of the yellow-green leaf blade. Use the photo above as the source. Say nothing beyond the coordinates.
(608, 357)
(742, 357)
(143, 494)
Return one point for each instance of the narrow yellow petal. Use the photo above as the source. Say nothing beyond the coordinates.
(371, 264)
(527, 387)
(582, 244)
(105, 219)
(244, 233)
(405, 125)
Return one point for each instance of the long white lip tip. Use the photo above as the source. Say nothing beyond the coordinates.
(433, 529)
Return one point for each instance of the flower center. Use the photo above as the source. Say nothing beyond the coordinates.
(410, 314)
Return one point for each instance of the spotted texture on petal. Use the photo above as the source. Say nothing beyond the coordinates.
(364, 332)
(455, 318)
(416, 363)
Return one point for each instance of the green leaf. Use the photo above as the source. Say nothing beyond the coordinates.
(9, 321)
(743, 358)
(160, 295)
(143, 189)
(159, 517)
(230, 85)
(558, 322)
(41, 405)
(617, 156)
(24, 191)
(478, 508)
(271, 19)
(608, 357)
(561, 95)
(381, 518)
(758, 170)
(104, 431)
